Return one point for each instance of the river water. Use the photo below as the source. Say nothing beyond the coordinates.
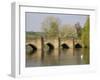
(58, 57)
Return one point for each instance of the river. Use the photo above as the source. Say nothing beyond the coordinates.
(58, 57)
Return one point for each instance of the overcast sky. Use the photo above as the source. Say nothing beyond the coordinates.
(34, 20)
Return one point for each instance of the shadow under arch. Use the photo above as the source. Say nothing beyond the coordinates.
(34, 48)
(65, 46)
(50, 46)
(78, 45)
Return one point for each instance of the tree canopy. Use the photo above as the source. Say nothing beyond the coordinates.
(68, 31)
(51, 26)
(85, 33)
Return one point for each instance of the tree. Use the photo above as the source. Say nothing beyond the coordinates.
(50, 26)
(85, 33)
(68, 31)
(78, 29)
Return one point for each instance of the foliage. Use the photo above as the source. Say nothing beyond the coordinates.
(68, 31)
(51, 26)
(85, 33)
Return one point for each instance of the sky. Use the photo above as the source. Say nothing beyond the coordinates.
(33, 21)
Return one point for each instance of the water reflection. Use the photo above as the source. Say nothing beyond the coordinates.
(58, 57)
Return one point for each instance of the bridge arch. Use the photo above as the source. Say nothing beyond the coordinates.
(78, 45)
(33, 48)
(64, 46)
(50, 46)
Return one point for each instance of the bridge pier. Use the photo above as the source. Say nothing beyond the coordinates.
(42, 48)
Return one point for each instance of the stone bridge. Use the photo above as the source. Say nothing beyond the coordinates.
(53, 43)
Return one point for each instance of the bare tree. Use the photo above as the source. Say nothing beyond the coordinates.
(78, 29)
